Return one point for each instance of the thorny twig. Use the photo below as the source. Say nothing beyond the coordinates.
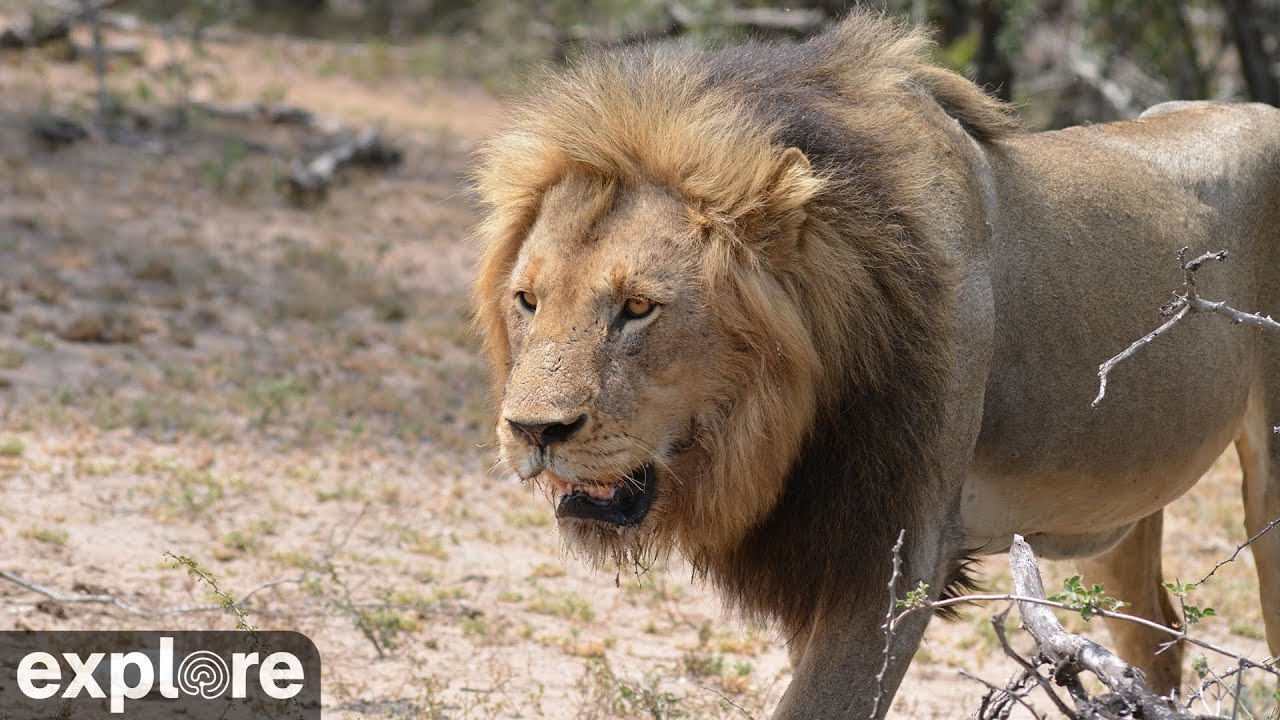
(889, 622)
(228, 601)
(1184, 302)
(1105, 368)
(1220, 680)
(1003, 697)
(1027, 668)
(727, 700)
(1240, 547)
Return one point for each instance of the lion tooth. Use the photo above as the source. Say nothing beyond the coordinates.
(560, 483)
(600, 493)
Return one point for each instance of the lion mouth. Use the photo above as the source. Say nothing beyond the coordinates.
(624, 504)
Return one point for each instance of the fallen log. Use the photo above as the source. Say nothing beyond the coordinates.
(273, 113)
(309, 181)
(796, 22)
(678, 19)
(38, 34)
(57, 131)
(126, 53)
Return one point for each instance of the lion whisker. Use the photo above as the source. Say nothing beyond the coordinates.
(653, 455)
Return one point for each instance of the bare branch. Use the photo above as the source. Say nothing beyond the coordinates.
(727, 700)
(273, 113)
(1267, 665)
(62, 597)
(1184, 302)
(1239, 317)
(1010, 690)
(56, 30)
(798, 21)
(997, 623)
(889, 622)
(1140, 343)
(1240, 547)
(308, 182)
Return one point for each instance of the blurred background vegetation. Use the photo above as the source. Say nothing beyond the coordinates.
(1065, 61)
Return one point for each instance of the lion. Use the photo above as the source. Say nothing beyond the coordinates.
(770, 305)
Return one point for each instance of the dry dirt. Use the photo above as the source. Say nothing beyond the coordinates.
(289, 394)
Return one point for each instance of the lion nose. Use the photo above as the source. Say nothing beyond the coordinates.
(543, 434)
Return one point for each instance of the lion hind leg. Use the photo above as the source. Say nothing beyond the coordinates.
(1131, 571)
(1259, 450)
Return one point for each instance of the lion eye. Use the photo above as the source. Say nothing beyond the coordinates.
(636, 308)
(528, 300)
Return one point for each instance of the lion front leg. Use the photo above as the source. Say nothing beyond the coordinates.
(836, 675)
(838, 661)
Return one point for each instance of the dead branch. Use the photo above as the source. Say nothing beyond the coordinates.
(1028, 670)
(795, 21)
(61, 597)
(889, 621)
(107, 599)
(309, 182)
(273, 113)
(1105, 368)
(1185, 302)
(59, 29)
(1239, 547)
(1072, 654)
(999, 702)
(679, 19)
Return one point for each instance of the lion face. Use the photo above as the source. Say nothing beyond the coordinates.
(656, 370)
(610, 345)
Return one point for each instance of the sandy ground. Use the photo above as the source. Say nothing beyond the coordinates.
(190, 364)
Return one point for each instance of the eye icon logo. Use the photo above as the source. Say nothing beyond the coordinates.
(204, 674)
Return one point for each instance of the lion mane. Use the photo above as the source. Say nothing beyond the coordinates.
(831, 433)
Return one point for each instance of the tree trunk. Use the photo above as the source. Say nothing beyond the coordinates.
(1259, 77)
(995, 73)
(1190, 82)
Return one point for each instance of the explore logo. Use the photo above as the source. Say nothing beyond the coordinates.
(236, 674)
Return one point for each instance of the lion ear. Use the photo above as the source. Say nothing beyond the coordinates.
(790, 173)
(789, 186)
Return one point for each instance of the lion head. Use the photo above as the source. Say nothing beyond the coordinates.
(687, 294)
(630, 341)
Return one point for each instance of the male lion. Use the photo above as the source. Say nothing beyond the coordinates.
(769, 305)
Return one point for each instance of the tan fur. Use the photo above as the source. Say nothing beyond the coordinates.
(835, 237)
